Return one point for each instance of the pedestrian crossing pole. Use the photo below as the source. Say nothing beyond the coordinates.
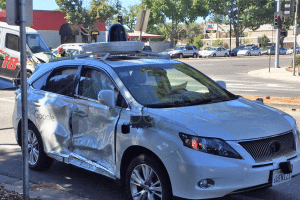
(295, 38)
(278, 30)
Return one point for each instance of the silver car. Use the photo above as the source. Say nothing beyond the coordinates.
(158, 125)
(184, 51)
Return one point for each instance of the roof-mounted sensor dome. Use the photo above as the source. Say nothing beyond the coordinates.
(116, 33)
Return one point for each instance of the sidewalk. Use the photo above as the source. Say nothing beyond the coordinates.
(285, 74)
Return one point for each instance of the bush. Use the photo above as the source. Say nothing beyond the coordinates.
(297, 61)
(198, 42)
(218, 43)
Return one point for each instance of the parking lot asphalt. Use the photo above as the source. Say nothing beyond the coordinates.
(50, 191)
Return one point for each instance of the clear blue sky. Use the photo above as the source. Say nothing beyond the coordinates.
(51, 5)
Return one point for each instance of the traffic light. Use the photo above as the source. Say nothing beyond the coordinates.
(120, 20)
(283, 34)
(277, 20)
(289, 8)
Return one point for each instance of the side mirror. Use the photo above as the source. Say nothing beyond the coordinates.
(221, 84)
(107, 97)
(17, 82)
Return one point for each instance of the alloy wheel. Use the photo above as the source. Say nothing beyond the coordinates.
(145, 183)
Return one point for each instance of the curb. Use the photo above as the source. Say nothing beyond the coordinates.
(46, 191)
(284, 106)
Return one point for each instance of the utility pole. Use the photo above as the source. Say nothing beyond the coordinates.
(295, 38)
(278, 34)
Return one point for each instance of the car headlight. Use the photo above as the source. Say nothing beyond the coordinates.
(213, 146)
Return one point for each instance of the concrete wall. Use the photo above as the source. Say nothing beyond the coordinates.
(158, 47)
(52, 38)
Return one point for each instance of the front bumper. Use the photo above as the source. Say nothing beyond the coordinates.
(186, 167)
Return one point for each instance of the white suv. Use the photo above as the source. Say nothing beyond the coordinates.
(158, 125)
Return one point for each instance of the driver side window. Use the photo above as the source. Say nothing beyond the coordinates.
(92, 81)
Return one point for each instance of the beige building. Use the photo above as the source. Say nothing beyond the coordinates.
(251, 37)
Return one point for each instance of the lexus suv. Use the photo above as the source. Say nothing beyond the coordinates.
(158, 126)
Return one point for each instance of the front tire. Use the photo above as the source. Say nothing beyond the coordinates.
(180, 56)
(194, 55)
(37, 158)
(146, 179)
(249, 54)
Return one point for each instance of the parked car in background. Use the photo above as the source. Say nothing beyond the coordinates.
(147, 48)
(290, 51)
(166, 51)
(184, 51)
(265, 51)
(234, 51)
(72, 48)
(282, 51)
(214, 52)
(249, 51)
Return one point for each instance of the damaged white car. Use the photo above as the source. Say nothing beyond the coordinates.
(158, 125)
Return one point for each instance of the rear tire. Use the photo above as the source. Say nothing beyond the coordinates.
(147, 179)
(180, 56)
(37, 158)
(194, 55)
(249, 54)
(214, 55)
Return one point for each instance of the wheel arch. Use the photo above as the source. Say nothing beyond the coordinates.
(19, 135)
(133, 152)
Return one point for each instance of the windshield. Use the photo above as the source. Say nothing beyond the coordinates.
(179, 48)
(170, 85)
(36, 43)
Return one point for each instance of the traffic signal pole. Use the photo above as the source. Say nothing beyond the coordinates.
(278, 35)
(295, 38)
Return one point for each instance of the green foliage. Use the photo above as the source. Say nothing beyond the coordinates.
(1, 57)
(246, 41)
(176, 11)
(264, 41)
(244, 14)
(297, 61)
(77, 14)
(218, 42)
(198, 41)
(130, 17)
(2, 4)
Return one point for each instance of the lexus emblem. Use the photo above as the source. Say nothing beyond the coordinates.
(274, 146)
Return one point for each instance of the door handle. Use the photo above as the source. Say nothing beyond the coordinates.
(37, 104)
(80, 114)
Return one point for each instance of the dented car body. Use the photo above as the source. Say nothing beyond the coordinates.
(124, 117)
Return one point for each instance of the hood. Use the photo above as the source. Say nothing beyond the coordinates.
(44, 56)
(242, 51)
(174, 51)
(204, 52)
(231, 120)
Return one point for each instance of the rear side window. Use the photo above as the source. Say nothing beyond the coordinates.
(12, 42)
(62, 81)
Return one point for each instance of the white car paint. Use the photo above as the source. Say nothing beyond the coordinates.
(214, 52)
(197, 131)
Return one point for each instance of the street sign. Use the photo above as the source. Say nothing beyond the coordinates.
(142, 20)
(13, 12)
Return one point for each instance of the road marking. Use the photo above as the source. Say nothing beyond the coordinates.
(2, 99)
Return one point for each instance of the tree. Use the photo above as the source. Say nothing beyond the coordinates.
(175, 11)
(244, 14)
(264, 41)
(99, 10)
(3, 4)
(130, 17)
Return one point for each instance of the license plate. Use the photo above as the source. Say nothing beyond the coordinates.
(279, 177)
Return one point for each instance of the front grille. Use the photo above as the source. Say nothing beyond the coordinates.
(272, 147)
